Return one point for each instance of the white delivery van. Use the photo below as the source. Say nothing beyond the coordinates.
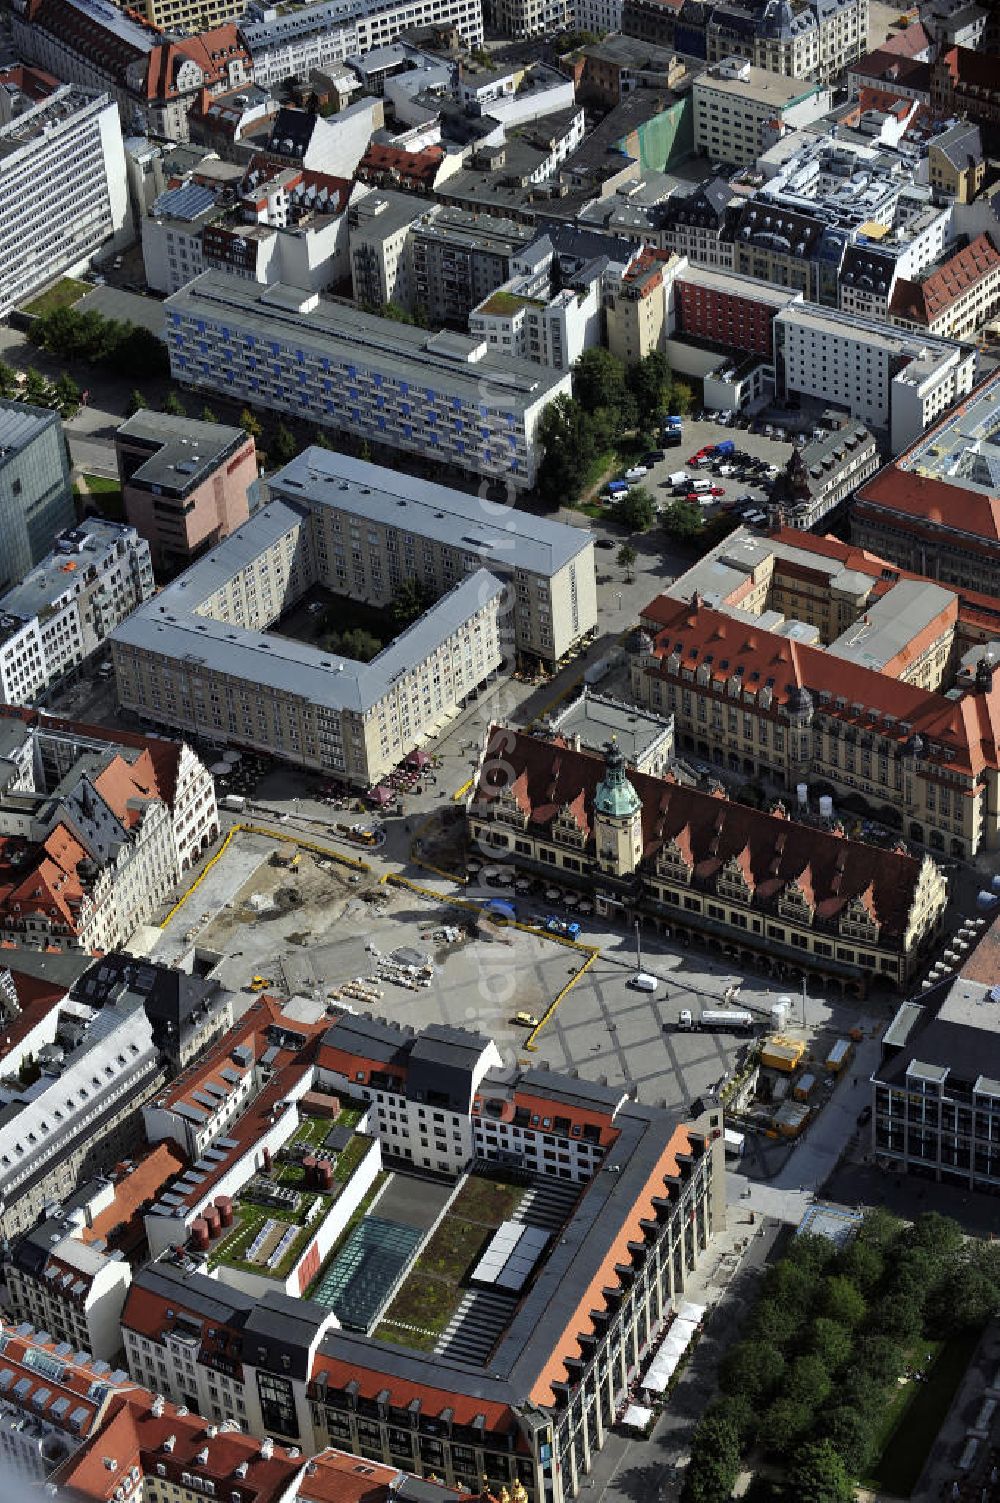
(700, 485)
(679, 477)
(642, 981)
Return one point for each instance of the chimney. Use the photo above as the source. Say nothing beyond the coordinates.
(157, 1409)
(267, 1448)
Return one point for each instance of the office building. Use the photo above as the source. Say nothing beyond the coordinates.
(676, 858)
(529, 18)
(200, 658)
(957, 298)
(964, 85)
(933, 509)
(36, 493)
(736, 313)
(186, 485)
(62, 190)
(360, 374)
(809, 41)
(799, 660)
(637, 303)
(541, 317)
(935, 1092)
(65, 607)
(302, 1369)
(893, 381)
(293, 43)
(739, 109)
(96, 827)
(187, 1012)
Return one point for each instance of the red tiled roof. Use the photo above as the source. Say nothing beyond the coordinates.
(163, 754)
(133, 1188)
(966, 66)
(926, 499)
(133, 1435)
(41, 1397)
(907, 41)
(371, 1380)
(547, 775)
(33, 83)
(922, 302)
(338, 1477)
(416, 167)
(211, 50)
(890, 68)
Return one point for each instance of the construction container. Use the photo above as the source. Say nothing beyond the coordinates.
(266, 1154)
(804, 1086)
(790, 1118)
(838, 1056)
(224, 1206)
(213, 1221)
(199, 1234)
(780, 1053)
(324, 1172)
(309, 1165)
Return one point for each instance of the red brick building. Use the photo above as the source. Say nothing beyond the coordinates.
(728, 310)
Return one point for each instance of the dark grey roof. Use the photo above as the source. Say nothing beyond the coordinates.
(441, 1064)
(373, 1037)
(62, 969)
(280, 1333)
(173, 1000)
(197, 1292)
(961, 144)
(560, 1087)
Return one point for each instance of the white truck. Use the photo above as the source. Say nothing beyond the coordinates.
(235, 802)
(727, 1020)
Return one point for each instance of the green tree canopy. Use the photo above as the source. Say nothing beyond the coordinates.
(753, 1369)
(250, 424)
(636, 510)
(626, 558)
(599, 380)
(567, 443)
(819, 1475)
(283, 446)
(173, 405)
(208, 416)
(831, 1342)
(649, 382)
(842, 1302)
(67, 394)
(784, 1422)
(136, 403)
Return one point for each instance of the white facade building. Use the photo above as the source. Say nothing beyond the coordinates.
(63, 190)
(524, 320)
(96, 575)
(890, 379)
(736, 108)
(318, 36)
(441, 395)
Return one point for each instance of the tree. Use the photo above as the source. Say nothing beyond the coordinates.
(208, 416)
(863, 1264)
(785, 1421)
(937, 1235)
(881, 1358)
(879, 1229)
(136, 403)
(8, 381)
(849, 1431)
(753, 1370)
(283, 446)
(626, 559)
(567, 444)
(649, 381)
(636, 510)
(395, 313)
(410, 601)
(36, 388)
(809, 1381)
(250, 425)
(831, 1342)
(842, 1302)
(599, 381)
(67, 394)
(773, 1321)
(357, 643)
(683, 520)
(812, 1254)
(681, 398)
(819, 1475)
(173, 405)
(322, 439)
(715, 1461)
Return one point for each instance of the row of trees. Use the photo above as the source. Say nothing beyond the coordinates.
(825, 1346)
(62, 393)
(609, 403)
(68, 334)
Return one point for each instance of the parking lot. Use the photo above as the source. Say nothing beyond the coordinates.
(705, 433)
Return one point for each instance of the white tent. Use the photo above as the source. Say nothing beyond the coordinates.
(637, 1416)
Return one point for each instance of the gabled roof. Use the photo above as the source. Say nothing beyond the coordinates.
(773, 852)
(923, 302)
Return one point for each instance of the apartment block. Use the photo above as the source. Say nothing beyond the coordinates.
(65, 607)
(293, 43)
(737, 313)
(529, 18)
(186, 485)
(801, 660)
(964, 85)
(932, 509)
(441, 395)
(935, 1104)
(677, 858)
(63, 195)
(889, 379)
(813, 41)
(200, 658)
(739, 108)
(957, 298)
(536, 316)
(956, 162)
(637, 304)
(36, 493)
(97, 826)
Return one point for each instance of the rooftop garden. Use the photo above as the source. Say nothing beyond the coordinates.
(63, 294)
(433, 1291)
(277, 1213)
(505, 303)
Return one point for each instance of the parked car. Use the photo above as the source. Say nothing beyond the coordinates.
(717, 490)
(604, 542)
(654, 457)
(637, 472)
